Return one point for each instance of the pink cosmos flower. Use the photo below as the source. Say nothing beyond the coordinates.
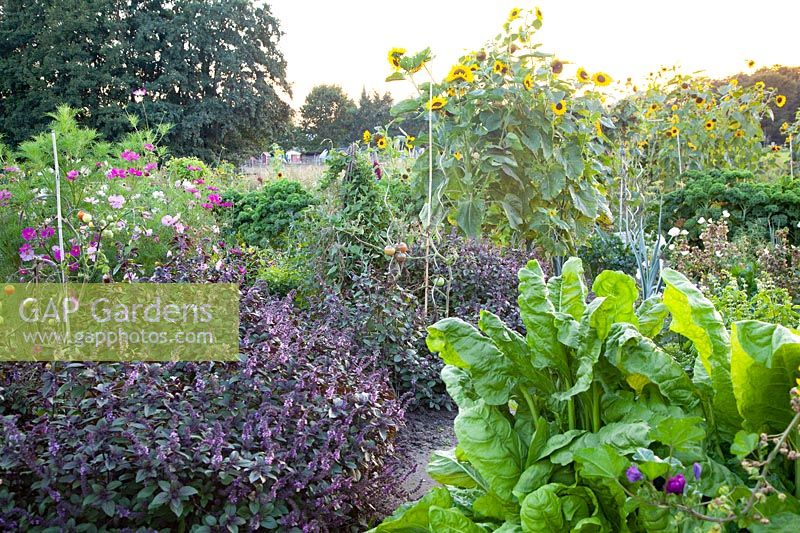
(140, 92)
(75, 251)
(56, 253)
(134, 172)
(169, 220)
(72, 175)
(129, 155)
(193, 168)
(28, 234)
(151, 166)
(26, 252)
(47, 232)
(11, 169)
(116, 201)
(73, 267)
(5, 196)
(115, 173)
(149, 147)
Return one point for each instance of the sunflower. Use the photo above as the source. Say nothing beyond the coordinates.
(410, 141)
(538, 14)
(451, 92)
(699, 100)
(528, 82)
(601, 79)
(780, 100)
(367, 136)
(460, 73)
(672, 132)
(500, 67)
(776, 148)
(557, 67)
(514, 15)
(559, 108)
(473, 67)
(458, 156)
(643, 145)
(734, 82)
(598, 127)
(437, 103)
(381, 143)
(759, 85)
(738, 134)
(691, 145)
(751, 63)
(784, 127)
(583, 76)
(654, 107)
(394, 57)
(674, 107)
(709, 125)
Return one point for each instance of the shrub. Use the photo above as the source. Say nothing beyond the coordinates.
(606, 251)
(261, 218)
(296, 435)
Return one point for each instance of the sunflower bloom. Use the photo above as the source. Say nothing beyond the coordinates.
(643, 145)
(458, 156)
(437, 103)
(410, 142)
(500, 67)
(583, 76)
(394, 57)
(598, 127)
(654, 107)
(514, 14)
(557, 67)
(460, 73)
(528, 82)
(367, 136)
(780, 100)
(759, 86)
(381, 143)
(691, 145)
(751, 63)
(776, 148)
(601, 79)
(738, 134)
(538, 14)
(699, 100)
(784, 127)
(559, 108)
(709, 125)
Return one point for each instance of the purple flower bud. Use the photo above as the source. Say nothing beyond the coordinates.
(675, 485)
(697, 470)
(633, 474)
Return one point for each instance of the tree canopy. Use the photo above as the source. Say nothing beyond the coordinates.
(211, 68)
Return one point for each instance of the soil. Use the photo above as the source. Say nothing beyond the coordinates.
(425, 432)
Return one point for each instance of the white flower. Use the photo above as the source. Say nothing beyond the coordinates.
(710, 220)
(674, 232)
(684, 232)
(91, 200)
(718, 253)
(725, 213)
(684, 252)
(701, 220)
(671, 247)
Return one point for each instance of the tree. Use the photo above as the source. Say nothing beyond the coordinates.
(373, 111)
(786, 81)
(210, 68)
(327, 115)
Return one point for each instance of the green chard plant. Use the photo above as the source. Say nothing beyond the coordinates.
(586, 424)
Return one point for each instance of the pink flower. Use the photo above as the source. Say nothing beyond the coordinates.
(193, 168)
(73, 267)
(140, 92)
(169, 220)
(75, 251)
(47, 232)
(26, 252)
(151, 166)
(134, 172)
(129, 155)
(212, 188)
(72, 175)
(115, 173)
(116, 201)
(5, 196)
(56, 253)
(149, 147)
(28, 234)
(11, 169)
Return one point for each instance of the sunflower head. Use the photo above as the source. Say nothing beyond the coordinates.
(514, 14)
(759, 86)
(538, 14)
(460, 73)
(643, 145)
(583, 76)
(709, 125)
(458, 156)
(557, 67)
(559, 108)
(780, 100)
(751, 63)
(437, 103)
(367, 136)
(738, 134)
(381, 143)
(776, 148)
(699, 100)
(500, 67)
(394, 57)
(674, 107)
(654, 107)
(527, 82)
(784, 127)
(601, 79)
(410, 141)
(691, 145)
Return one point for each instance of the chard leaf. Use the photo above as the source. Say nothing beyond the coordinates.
(572, 293)
(535, 476)
(764, 363)
(447, 470)
(651, 314)
(624, 438)
(620, 293)
(451, 521)
(413, 517)
(490, 444)
(541, 511)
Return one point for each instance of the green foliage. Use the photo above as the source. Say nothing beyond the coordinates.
(786, 81)
(327, 117)
(606, 251)
(751, 204)
(262, 218)
(215, 81)
(767, 304)
(550, 423)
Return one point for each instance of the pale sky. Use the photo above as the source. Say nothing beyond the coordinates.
(345, 42)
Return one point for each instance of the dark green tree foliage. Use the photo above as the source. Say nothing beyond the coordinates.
(752, 205)
(261, 218)
(327, 117)
(373, 111)
(787, 82)
(211, 68)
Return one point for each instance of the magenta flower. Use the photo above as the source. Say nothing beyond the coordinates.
(149, 147)
(675, 485)
(72, 175)
(193, 168)
(129, 155)
(697, 470)
(215, 199)
(115, 173)
(140, 92)
(151, 166)
(73, 267)
(28, 234)
(134, 172)
(11, 169)
(26, 252)
(47, 232)
(56, 253)
(633, 474)
(5, 196)
(116, 201)
(75, 251)
(212, 188)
